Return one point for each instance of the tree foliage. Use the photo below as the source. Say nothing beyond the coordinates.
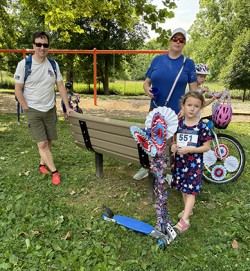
(81, 24)
(140, 63)
(236, 74)
(7, 25)
(217, 25)
(61, 15)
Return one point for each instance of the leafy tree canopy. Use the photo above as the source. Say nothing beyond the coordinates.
(217, 25)
(61, 15)
(236, 74)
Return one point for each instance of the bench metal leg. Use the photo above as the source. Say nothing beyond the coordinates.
(99, 164)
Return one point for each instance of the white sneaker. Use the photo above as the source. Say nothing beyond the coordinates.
(141, 174)
(168, 178)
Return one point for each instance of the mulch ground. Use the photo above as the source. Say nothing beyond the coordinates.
(119, 107)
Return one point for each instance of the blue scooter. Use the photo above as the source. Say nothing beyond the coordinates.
(164, 239)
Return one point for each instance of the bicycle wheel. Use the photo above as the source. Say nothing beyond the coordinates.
(224, 163)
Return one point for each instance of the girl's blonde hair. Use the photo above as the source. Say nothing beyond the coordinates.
(193, 94)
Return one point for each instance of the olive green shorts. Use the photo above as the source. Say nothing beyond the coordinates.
(42, 125)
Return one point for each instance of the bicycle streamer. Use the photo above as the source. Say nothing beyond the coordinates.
(28, 64)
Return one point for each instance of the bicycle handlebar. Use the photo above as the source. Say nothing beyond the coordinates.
(209, 117)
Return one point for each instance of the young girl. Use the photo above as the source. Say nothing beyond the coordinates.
(202, 71)
(191, 141)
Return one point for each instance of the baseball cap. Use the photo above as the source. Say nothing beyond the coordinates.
(179, 30)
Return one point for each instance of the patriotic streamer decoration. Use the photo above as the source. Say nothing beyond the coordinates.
(223, 150)
(231, 163)
(160, 125)
(159, 133)
(169, 116)
(142, 138)
(218, 172)
(158, 165)
(209, 158)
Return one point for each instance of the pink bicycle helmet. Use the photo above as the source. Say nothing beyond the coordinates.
(222, 116)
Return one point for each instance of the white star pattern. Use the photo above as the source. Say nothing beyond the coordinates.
(188, 173)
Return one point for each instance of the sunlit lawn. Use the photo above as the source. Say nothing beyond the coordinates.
(44, 227)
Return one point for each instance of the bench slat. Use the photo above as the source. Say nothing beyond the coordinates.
(104, 124)
(112, 147)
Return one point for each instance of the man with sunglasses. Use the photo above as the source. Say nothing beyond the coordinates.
(36, 95)
(162, 74)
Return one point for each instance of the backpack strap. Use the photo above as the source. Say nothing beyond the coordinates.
(28, 63)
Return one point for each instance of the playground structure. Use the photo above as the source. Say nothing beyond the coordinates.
(94, 52)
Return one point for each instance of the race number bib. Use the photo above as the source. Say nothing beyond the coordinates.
(187, 138)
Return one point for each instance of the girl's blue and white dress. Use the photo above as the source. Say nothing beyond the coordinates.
(187, 171)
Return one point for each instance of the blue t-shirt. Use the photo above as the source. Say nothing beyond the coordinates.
(163, 72)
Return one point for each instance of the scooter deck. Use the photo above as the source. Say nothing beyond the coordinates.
(133, 224)
(164, 239)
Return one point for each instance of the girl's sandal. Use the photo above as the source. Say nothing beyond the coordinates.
(182, 226)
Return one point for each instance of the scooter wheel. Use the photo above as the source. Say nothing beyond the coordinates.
(108, 211)
(162, 243)
(104, 216)
(79, 110)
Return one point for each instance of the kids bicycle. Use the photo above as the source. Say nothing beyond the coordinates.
(225, 161)
(74, 100)
(74, 104)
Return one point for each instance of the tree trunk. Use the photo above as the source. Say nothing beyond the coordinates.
(70, 68)
(69, 75)
(244, 95)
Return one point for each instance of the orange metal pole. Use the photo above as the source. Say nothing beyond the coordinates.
(94, 51)
(24, 52)
(95, 75)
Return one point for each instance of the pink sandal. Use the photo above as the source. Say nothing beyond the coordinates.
(182, 226)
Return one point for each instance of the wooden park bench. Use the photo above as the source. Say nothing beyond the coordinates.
(105, 136)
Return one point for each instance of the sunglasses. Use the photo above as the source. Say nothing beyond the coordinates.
(181, 40)
(45, 45)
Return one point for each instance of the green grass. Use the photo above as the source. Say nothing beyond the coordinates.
(36, 216)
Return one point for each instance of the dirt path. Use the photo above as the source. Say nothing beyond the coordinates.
(117, 107)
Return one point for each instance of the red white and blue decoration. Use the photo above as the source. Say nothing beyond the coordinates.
(222, 152)
(209, 158)
(159, 133)
(142, 138)
(169, 116)
(218, 172)
(231, 163)
(160, 125)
